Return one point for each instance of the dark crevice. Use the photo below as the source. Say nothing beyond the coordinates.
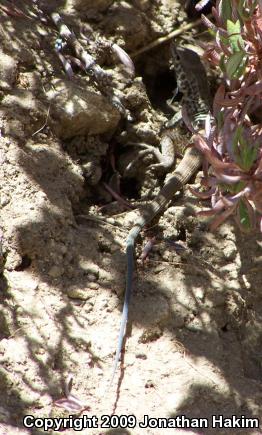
(224, 328)
(160, 88)
(130, 188)
(158, 79)
(25, 263)
(181, 234)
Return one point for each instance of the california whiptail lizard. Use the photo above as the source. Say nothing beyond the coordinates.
(192, 82)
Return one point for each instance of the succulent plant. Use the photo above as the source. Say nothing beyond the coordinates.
(233, 142)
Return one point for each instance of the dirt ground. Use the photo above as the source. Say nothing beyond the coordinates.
(194, 338)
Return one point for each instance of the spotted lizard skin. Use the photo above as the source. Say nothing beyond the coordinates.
(192, 82)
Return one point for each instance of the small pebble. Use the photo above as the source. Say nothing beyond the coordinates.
(141, 355)
(56, 272)
(91, 277)
(93, 285)
(78, 293)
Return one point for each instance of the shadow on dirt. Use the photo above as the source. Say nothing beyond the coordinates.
(221, 326)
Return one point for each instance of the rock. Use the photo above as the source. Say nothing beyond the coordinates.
(8, 70)
(89, 267)
(100, 5)
(26, 113)
(76, 111)
(75, 292)
(55, 272)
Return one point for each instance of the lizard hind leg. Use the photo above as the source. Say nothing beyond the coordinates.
(165, 158)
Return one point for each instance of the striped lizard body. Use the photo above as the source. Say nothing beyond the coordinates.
(192, 82)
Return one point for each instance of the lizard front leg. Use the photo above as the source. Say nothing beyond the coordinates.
(166, 156)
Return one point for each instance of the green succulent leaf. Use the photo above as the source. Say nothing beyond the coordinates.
(249, 156)
(232, 188)
(244, 216)
(222, 65)
(238, 133)
(245, 154)
(236, 188)
(235, 64)
(220, 119)
(234, 35)
(225, 11)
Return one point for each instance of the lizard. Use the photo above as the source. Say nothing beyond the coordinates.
(192, 82)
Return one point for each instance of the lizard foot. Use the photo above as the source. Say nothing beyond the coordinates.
(165, 157)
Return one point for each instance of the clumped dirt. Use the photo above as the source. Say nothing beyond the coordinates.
(195, 334)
